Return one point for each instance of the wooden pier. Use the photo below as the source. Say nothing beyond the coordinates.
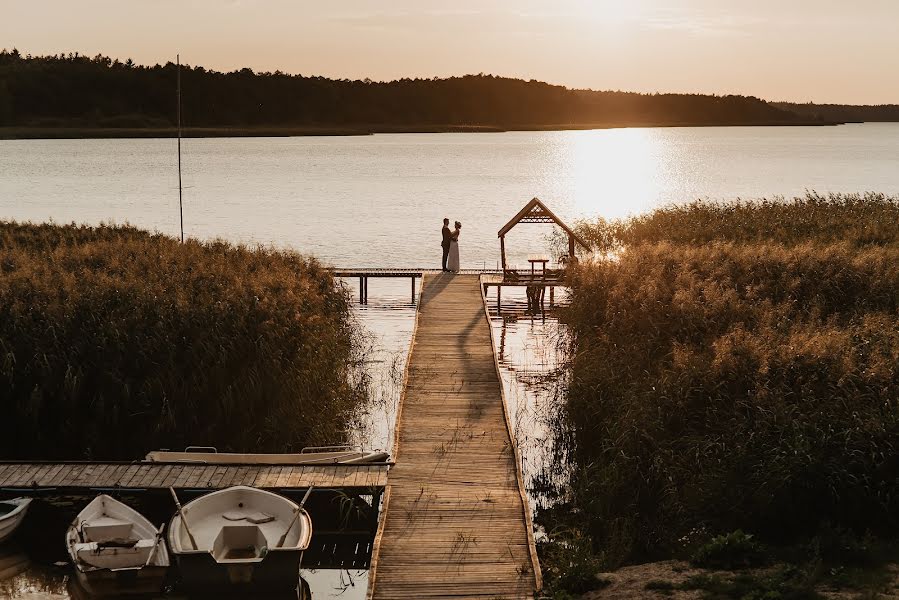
(364, 274)
(455, 521)
(81, 477)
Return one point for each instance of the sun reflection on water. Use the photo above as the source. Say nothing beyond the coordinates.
(611, 172)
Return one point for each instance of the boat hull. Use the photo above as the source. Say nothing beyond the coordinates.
(11, 520)
(279, 570)
(129, 582)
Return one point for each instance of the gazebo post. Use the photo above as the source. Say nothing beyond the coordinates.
(570, 246)
(502, 250)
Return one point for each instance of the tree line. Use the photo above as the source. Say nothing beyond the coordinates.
(74, 90)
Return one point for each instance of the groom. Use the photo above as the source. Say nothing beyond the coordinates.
(447, 236)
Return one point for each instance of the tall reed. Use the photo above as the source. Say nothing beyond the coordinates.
(114, 341)
(737, 367)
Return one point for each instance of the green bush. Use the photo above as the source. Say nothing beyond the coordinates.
(738, 384)
(114, 342)
(569, 564)
(735, 550)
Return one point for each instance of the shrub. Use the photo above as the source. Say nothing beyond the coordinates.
(570, 565)
(114, 341)
(732, 551)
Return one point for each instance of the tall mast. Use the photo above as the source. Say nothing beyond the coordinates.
(180, 202)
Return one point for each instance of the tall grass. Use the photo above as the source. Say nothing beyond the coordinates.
(859, 219)
(737, 367)
(114, 341)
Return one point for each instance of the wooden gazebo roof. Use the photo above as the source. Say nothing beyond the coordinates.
(537, 212)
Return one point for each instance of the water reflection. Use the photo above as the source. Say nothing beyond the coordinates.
(530, 357)
(612, 173)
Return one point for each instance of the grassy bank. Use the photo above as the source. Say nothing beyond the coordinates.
(736, 367)
(114, 341)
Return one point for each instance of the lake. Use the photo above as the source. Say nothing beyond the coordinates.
(378, 201)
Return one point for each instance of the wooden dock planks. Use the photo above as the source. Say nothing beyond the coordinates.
(98, 475)
(455, 522)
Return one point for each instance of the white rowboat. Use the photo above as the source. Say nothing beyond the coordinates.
(240, 536)
(12, 513)
(116, 550)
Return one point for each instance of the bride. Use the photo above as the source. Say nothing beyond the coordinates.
(452, 262)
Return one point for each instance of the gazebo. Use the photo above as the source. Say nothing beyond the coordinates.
(537, 212)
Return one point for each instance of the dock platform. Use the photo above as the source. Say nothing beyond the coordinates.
(455, 521)
(98, 476)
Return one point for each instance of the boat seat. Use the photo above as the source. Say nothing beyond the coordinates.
(103, 556)
(239, 543)
(253, 517)
(106, 529)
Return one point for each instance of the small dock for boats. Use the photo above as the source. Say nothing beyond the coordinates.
(84, 477)
(455, 520)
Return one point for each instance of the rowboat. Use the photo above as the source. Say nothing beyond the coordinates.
(12, 513)
(240, 538)
(116, 550)
(323, 455)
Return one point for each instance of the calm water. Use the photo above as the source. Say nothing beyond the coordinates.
(379, 201)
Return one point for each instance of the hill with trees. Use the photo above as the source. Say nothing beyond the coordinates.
(62, 92)
(843, 112)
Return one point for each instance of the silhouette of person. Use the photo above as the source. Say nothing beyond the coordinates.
(447, 238)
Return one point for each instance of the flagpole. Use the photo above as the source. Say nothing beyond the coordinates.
(180, 201)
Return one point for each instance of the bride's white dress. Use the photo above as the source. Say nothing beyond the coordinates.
(452, 262)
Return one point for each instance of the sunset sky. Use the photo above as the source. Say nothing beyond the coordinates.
(801, 50)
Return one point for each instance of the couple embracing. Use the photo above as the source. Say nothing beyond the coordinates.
(450, 246)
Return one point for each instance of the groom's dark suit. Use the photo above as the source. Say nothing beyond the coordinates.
(447, 236)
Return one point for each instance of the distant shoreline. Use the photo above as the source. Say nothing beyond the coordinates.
(33, 133)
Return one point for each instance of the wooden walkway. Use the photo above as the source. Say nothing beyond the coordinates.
(455, 522)
(82, 476)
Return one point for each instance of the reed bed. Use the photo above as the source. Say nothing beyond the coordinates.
(115, 341)
(860, 219)
(736, 367)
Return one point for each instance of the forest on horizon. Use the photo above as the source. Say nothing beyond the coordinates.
(77, 91)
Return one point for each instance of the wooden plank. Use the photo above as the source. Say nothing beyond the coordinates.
(144, 476)
(161, 477)
(205, 475)
(284, 477)
(127, 475)
(100, 473)
(217, 476)
(229, 476)
(49, 477)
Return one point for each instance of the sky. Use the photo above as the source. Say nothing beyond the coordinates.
(799, 50)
